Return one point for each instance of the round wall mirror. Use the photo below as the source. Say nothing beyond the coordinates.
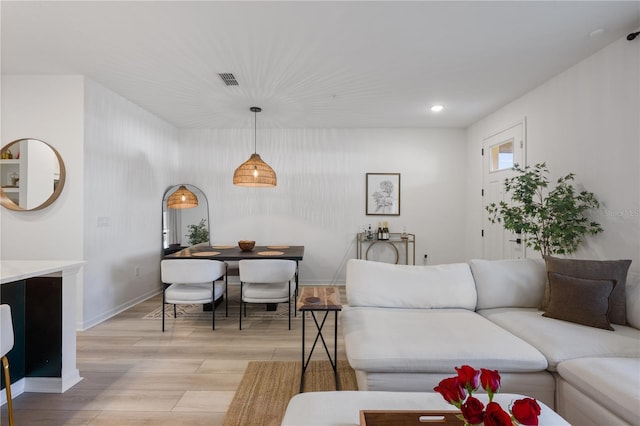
(185, 218)
(32, 175)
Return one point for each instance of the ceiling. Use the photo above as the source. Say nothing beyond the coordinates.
(315, 64)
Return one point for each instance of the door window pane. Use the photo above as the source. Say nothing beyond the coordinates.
(502, 156)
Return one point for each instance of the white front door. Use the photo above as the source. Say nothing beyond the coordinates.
(500, 151)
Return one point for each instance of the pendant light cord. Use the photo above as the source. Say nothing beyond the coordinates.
(255, 131)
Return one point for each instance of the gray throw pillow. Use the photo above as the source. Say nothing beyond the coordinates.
(614, 270)
(579, 300)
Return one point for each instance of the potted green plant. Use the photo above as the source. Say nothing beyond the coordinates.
(198, 233)
(553, 220)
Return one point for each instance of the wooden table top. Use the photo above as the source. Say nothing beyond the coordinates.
(232, 253)
(319, 299)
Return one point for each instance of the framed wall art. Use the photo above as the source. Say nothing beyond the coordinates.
(383, 194)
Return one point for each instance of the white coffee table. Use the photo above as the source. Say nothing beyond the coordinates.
(342, 408)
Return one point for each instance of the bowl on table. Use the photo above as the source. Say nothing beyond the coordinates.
(246, 245)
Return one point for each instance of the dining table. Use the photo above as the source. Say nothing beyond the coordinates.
(231, 253)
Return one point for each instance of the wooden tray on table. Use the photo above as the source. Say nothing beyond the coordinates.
(409, 418)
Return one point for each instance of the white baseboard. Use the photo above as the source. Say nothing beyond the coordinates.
(115, 311)
(51, 384)
(42, 385)
(17, 388)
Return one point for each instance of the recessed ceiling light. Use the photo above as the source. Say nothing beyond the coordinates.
(437, 108)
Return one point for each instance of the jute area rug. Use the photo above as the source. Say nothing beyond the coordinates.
(267, 387)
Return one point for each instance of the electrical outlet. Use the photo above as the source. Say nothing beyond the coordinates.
(136, 271)
(103, 221)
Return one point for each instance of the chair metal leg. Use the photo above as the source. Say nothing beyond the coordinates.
(295, 300)
(175, 313)
(289, 299)
(226, 295)
(213, 305)
(240, 323)
(163, 301)
(7, 383)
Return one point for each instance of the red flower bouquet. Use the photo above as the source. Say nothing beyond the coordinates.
(458, 391)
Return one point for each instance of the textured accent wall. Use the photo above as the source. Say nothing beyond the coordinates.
(130, 160)
(320, 198)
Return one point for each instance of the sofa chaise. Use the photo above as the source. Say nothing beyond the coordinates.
(407, 327)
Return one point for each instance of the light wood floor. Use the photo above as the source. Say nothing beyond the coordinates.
(136, 375)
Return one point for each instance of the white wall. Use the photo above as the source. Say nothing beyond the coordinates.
(120, 159)
(49, 108)
(319, 201)
(586, 121)
(130, 160)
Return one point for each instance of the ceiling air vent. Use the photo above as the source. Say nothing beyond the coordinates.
(228, 78)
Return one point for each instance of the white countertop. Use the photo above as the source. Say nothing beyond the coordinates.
(16, 270)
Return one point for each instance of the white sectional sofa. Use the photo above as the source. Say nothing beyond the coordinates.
(407, 327)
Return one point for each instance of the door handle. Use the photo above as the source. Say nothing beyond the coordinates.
(517, 241)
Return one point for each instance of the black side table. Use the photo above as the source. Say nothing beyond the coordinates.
(321, 300)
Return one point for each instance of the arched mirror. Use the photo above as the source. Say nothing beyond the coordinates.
(32, 175)
(185, 218)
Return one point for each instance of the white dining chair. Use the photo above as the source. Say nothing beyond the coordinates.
(193, 281)
(6, 344)
(266, 281)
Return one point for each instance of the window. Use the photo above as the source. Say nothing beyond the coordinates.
(502, 156)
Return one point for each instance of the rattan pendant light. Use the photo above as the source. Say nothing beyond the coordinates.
(182, 199)
(254, 172)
